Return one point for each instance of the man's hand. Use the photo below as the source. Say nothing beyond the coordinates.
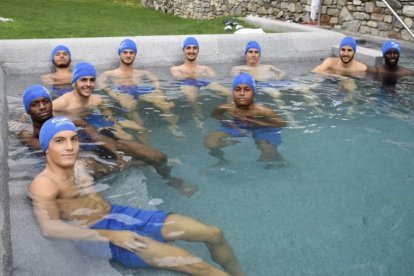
(128, 240)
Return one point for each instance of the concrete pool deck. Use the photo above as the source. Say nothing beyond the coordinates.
(302, 43)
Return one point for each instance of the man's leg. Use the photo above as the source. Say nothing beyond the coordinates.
(178, 227)
(158, 160)
(165, 256)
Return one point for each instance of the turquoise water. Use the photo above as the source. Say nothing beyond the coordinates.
(342, 205)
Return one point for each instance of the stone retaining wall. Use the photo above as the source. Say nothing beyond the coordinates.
(367, 17)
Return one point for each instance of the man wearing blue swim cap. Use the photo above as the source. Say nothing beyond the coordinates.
(192, 77)
(244, 118)
(38, 104)
(345, 64)
(60, 79)
(128, 85)
(81, 97)
(190, 69)
(261, 72)
(67, 206)
(390, 72)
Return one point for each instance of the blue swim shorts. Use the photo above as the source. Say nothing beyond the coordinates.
(143, 222)
(277, 84)
(194, 82)
(269, 134)
(59, 91)
(135, 90)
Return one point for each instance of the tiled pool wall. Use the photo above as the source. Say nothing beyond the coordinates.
(33, 56)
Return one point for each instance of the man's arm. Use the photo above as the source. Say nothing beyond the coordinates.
(27, 138)
(44, 195)
(279, 74)
(236, 70)
(176, 72)
(265, 117)
(219, 111)
(48, 79)
(153, 78)
(324, 66)
(60, 104)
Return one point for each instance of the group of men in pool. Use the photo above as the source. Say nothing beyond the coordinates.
(63, 196)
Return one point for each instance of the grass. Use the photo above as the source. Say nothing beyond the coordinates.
(94, 18)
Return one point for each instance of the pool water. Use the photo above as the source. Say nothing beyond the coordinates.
(341, 206)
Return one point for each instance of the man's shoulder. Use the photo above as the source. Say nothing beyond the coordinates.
(62, 99)
(110, 73)
(43, 186)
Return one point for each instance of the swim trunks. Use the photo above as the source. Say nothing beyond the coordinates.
(98, 121)
(194, 82)
(270, 135)
(59, 91)
(135, 90)
(277, 84)
(143, 222)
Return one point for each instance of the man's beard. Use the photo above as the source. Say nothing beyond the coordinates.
(391, 64)
(62, 66)
(127, 62)
(346, 62)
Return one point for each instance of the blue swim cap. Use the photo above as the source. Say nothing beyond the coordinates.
(127, 44)
(244, 78)
(190, 41)
(348, 41)
(60, 48)
(252, 45)
(83, 69)
(53, 126)
(32, 93)
(390, 44)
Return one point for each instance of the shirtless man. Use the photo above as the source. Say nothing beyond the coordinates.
(260, 72)
(344, 68)
(67, 206)
(81, 102)
(345, 65)
(193, 76)
(243, 118)
(60, 80)
(129, 84)
(390, 72)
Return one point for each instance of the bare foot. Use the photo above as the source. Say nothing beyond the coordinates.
(185, 188)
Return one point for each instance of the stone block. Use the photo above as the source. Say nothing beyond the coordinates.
(364, 29)
(334, 20)
(360, 16)
(345, 15)
(406, 35)
(299, 7)
(409, 22)
(369, 7)
(408, 11)
(382, 26)
(377, 16)
(332, 12)
(373, 31)
(372, 24)
(388, 18)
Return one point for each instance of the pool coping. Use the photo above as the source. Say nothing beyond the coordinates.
(32, 56)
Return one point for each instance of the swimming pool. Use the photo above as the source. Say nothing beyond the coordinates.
(342, 205)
